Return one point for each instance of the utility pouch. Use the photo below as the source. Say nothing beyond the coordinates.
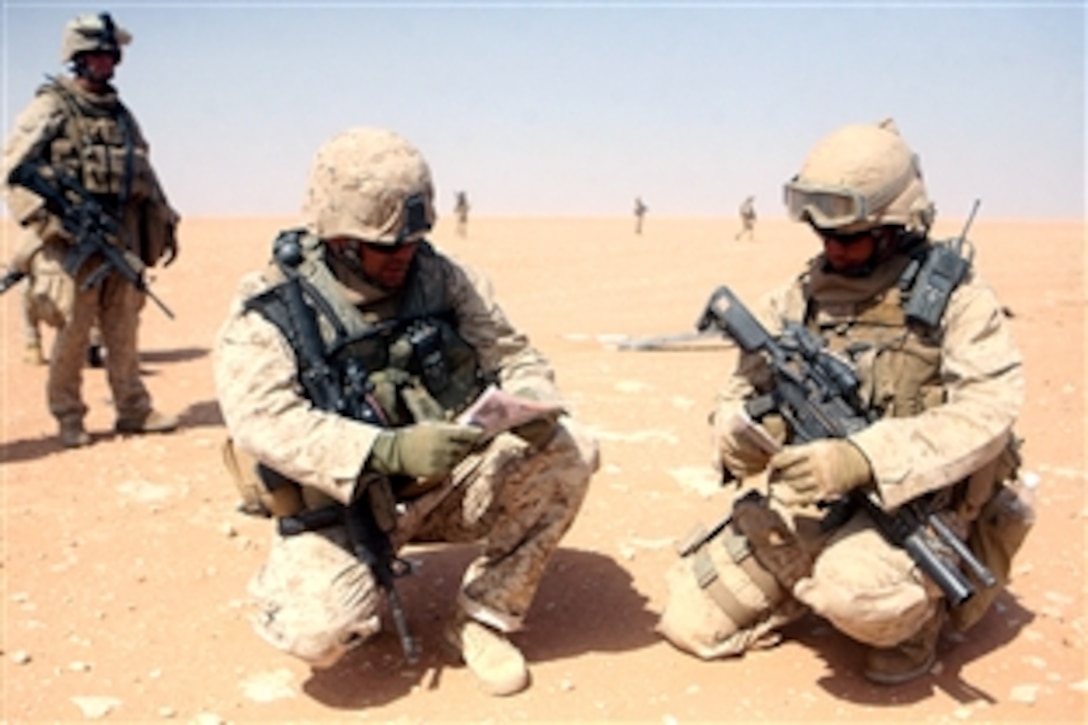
(426, 341)
(995, 537)
(282, 498)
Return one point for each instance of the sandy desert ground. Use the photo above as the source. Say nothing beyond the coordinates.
(124, 564)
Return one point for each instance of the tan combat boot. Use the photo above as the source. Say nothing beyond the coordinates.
(153, 422)
(907, 660)
(499, 667)
(32, 354)
(72, 434)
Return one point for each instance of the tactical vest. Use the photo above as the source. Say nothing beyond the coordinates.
(100, 143)
(897, 362)
(412, 367)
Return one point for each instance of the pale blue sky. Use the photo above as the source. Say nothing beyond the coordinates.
(574, 108)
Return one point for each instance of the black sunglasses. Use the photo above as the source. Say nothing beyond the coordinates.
(844, 240)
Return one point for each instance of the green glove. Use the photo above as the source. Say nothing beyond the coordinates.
(424, 450)
(822, 470)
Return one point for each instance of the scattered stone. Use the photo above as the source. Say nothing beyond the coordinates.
(703, 480)
(566, 685)
(228, 530)
(207, 718)
(20, 657)
(96, 708)
(1026, 694)
(269, 686)
(1037, 662)
(632, 386)
(167, 712)
(78, 666)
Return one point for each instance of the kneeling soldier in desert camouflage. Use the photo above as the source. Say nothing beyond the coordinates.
(939, 387)
(340, 373)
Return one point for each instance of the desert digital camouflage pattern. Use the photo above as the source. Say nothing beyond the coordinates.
(358, 184)
(516, 500)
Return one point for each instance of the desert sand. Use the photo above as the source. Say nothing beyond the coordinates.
(124, 565)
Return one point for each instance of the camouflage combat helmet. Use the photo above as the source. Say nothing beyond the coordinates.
(93, 33)
(369, 184)
(858, 178)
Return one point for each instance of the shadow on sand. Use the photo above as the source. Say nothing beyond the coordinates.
(586, 603)
(846, 659)
(204, 414)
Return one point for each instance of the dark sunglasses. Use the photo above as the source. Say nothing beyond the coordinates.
(845, 240)
(388, 249)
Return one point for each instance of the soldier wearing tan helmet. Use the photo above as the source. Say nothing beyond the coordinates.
(342, 371)
(944, 391)
(79, 126)
(747, 213)
(460, 211)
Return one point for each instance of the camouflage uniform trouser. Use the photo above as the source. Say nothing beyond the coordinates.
(315, 600)
(116, 304)
(864, 586)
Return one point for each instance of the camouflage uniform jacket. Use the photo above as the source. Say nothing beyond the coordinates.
(948, 397)
(268, 414)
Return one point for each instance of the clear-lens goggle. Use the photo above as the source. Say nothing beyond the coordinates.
(829, 207)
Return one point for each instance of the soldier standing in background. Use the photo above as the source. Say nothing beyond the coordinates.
(747, 219)
(460, 210)
(78, 126)
(47, 291)
(640, 212)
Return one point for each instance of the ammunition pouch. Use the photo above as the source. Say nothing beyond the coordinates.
(263, 491)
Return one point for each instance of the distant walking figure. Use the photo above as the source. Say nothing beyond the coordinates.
(747, 219)
(460, 209)
(640, 211)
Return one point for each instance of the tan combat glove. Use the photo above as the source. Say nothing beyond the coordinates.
(818, 471)
(739, 455)
(424, 450)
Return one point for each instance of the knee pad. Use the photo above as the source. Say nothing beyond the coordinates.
(723, 598)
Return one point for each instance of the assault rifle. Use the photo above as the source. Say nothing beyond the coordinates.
(345, 394)
(817, 394)
(11, 279)
(88, 223)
